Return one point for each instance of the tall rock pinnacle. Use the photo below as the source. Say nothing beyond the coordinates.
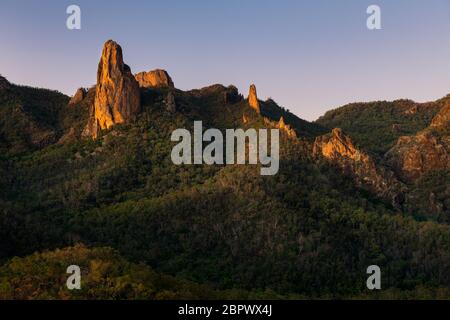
(117, 96)
(253, 99)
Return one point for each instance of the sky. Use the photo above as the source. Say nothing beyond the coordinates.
(309, 56)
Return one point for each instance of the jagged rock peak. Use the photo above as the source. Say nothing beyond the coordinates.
(286, 127)
(281, 124)
(335, 145)
(117, 95)
(156, 78)
(339, 149)
(253, 98)
(79, 95)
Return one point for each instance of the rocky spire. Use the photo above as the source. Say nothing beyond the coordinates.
(281, 123)
(117, 96)
(286, 127)
(253, 99)
(156, 78)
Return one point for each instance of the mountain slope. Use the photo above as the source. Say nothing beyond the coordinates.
(223, 225)
(376, 126)
(310, 230)
(105, 275)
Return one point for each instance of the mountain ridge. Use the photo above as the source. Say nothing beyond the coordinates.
(311, 230)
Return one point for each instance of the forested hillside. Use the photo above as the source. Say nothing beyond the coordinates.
(307, 230)
(90, 181)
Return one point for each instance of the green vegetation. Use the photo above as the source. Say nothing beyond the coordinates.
(29, 118)
(196, 230)
(105, 275)
(376, 126)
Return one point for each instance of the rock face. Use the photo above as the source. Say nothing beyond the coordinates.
(253, 99)
(117, 95)
(429, 150)
(154, 79)
(442, 119)
(78, 96)
(281, 124)
(413, 156)
(337, 145)
(339, 149)
(286, 128)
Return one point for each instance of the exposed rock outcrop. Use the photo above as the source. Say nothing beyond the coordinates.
(117, 96)
(78, 96)
(281, 124)
(154, 79)
(412, 156)
(442, 119)
(340, 150)
(253, 99)
(336, 145)
(286, 128)
(429, 150)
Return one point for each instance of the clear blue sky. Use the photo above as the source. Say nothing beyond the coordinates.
(309, 56)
